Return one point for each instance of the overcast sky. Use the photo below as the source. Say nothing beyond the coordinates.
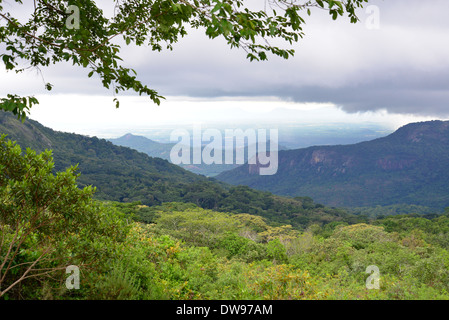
(397, 73)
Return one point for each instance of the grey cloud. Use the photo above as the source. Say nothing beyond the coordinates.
(403, 67)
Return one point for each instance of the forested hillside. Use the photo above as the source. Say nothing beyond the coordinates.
(180, 251)
(409, 166)
(126, 175)
(118, 173)
(84, 219)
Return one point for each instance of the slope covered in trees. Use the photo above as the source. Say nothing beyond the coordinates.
(181, 251)
(123, 174)
(409, 166)
(118, 173)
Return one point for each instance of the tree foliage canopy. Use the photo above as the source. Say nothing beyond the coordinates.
(78, 31)
(46, 221)
(185, 252)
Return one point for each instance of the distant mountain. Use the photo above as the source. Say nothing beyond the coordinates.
(126, 175)
(143, 144)
(162, 150)
(409, 166)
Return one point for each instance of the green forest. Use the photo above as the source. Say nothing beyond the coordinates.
(408, 166)
(125, 175)
(180, 251)
(84, 219)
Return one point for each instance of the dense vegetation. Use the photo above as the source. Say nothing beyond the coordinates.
(392, 210)
(125, 175)
(171, 234)
(182, 251)
(408, 166)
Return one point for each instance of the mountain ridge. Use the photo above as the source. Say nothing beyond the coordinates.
(407, 166)
(126, 175)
